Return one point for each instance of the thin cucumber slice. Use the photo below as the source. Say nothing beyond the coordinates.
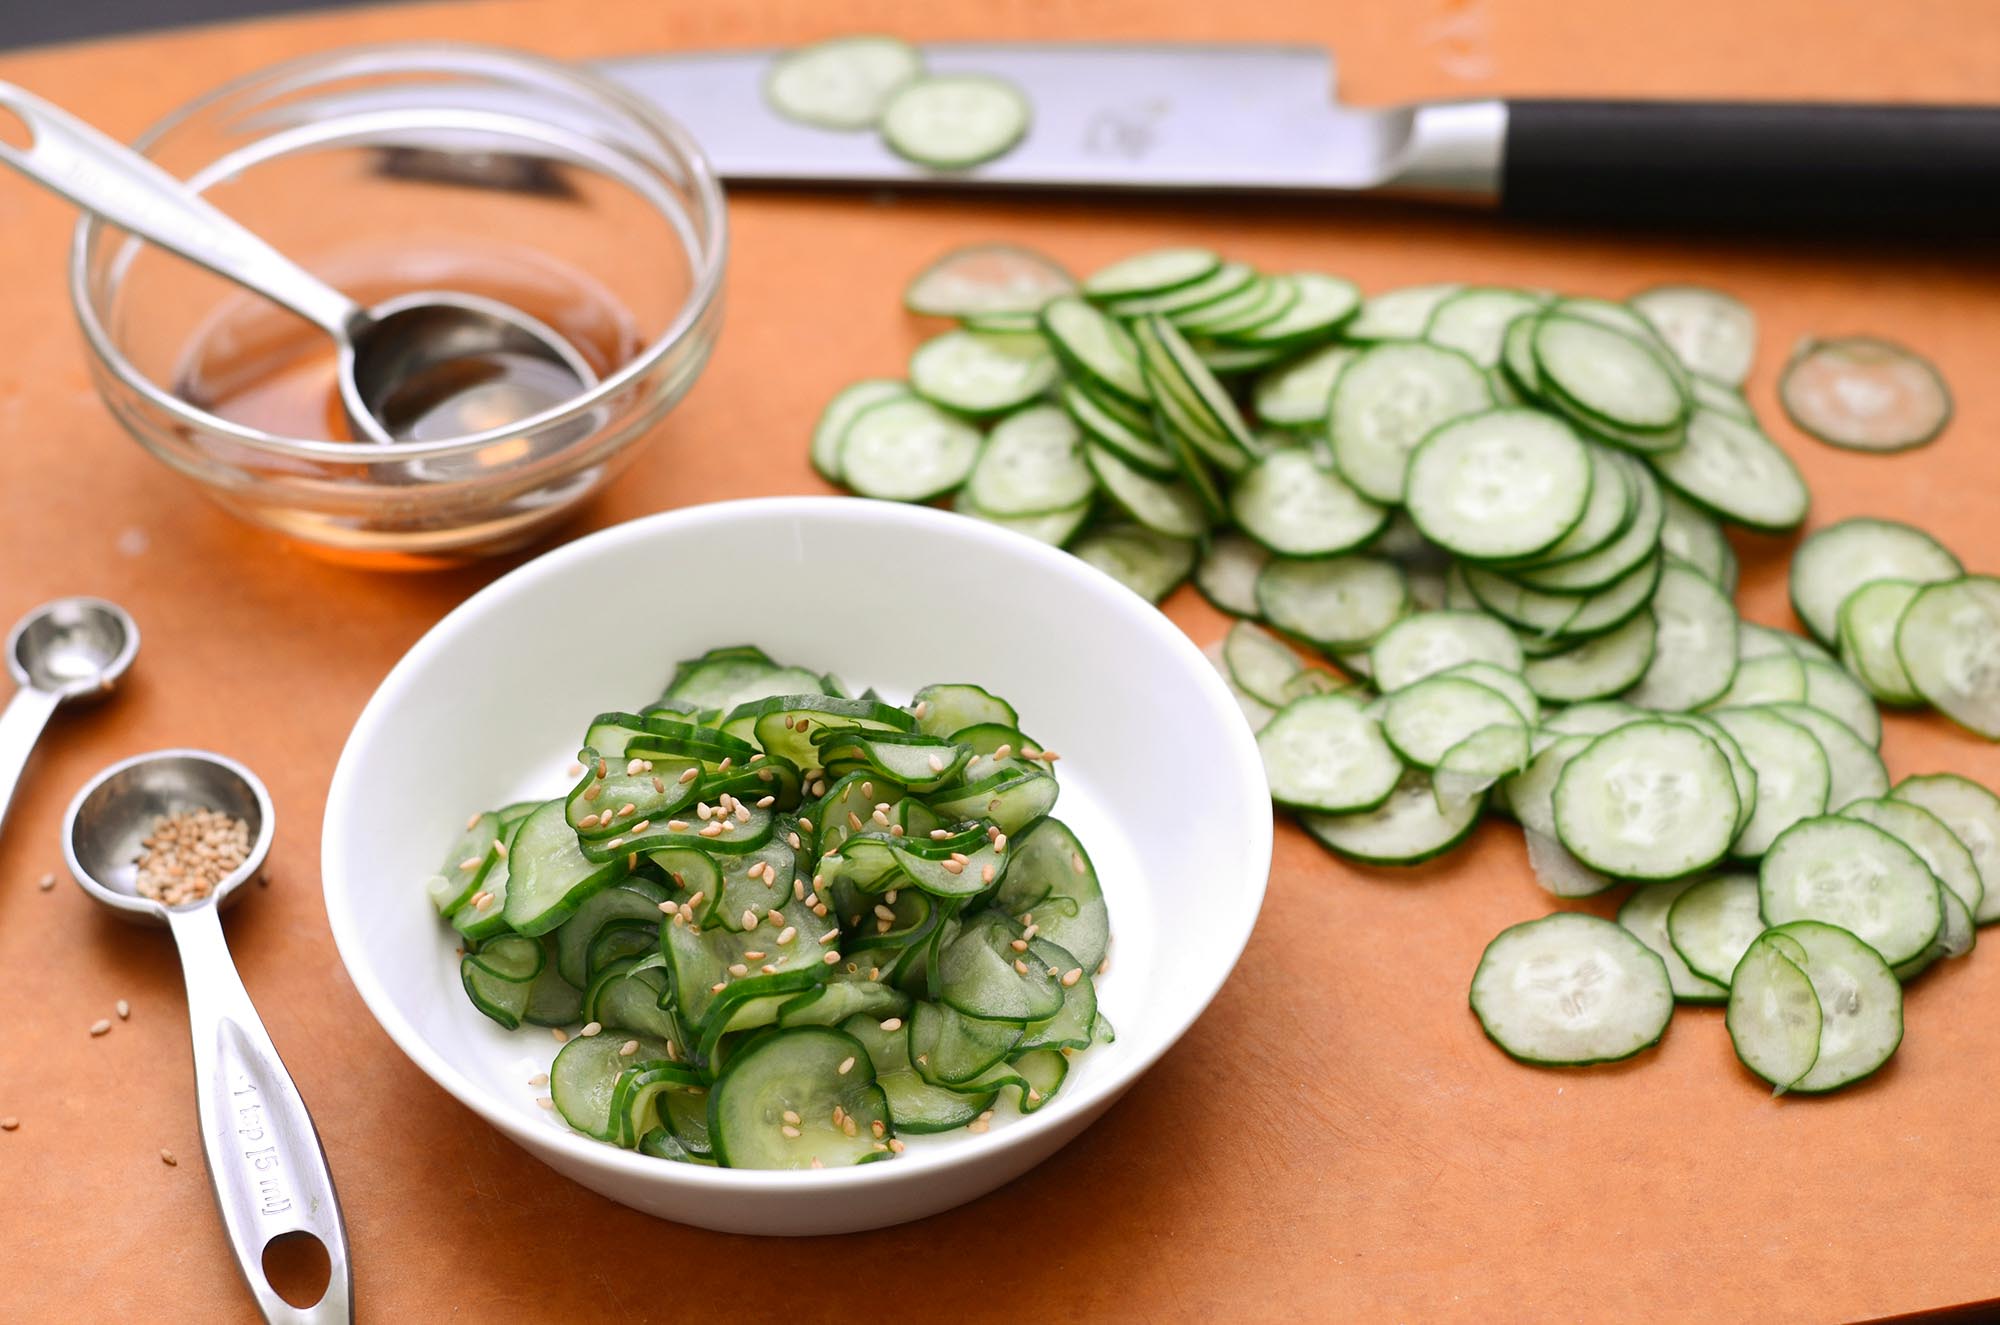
(1576, 617)
(1607, 374)
(1729, 467)
(1326, 753)
(949, 709)
(953, 121)
(1650, 800)
(1052, 884)
(1758, 641)
(1834, 692)
(907, 449)
(1772, 678)
(1338, 603)
(1740, 770)
(841, 411)
(978, 976)
(1400, 314)
(1794, 778)
(1171, 509)
(1298, 392)
(1056, 528)
(843, 83)
(583, 1081)
(1150, 564)
(1137, 441)
(1864, 393)
(1431, 642)
(1860, 1002)
(1852, 874)
(1530, 794)
(1175, 368)
(1474, 321)
(1151, 273)
(1774, 1016)
(1255, 711)
(1223, 282)
(1926, 834)
(1598, 668)
(1234, 360)
(1712, 333)
(1032, 464)
(633, 900)
(1094, 345)
(1408, 828)
(1956, 937)
(1972, 813)
(1387, 400)
(1322, 305)
(1424, 720)
(1571, 989)
(986, 281)
(549, 875)
(1478, 762)
(1857, 770)
(1691, 534)
(1835, 561)
(1694, 643)
(471, 858)
(1257, 298)
(1714, 922)
(1260, 663)
(798, 1073)
(981, 373)
(1228, 570)
(1868, 620)
(1298, 508)
(1949, 643)
(1506, 682)
(1593, 719)
(1506, 483)
(1559, 873)
(1645, 914)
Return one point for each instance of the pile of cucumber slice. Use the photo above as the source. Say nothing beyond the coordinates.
(788, 924)
(943, 121)
(1500, 513)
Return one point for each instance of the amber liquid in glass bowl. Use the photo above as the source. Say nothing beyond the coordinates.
(255, 364)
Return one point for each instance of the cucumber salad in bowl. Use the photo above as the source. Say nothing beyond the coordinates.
(774, 926)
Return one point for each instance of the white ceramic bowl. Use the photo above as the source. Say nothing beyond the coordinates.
(1160, 779)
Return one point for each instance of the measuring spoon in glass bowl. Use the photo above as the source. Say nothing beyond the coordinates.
(62, 652)
(418, 367)
(264, 1156)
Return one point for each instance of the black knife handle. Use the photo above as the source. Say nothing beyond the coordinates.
(1793, 165)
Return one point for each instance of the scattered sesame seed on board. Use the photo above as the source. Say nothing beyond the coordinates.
(48, 882)
(102, 1026)
(9, 1123)
(124, 1010)
(792, 1116)
(167, 1158)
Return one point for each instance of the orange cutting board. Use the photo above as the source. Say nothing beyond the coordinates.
(1335, 1140)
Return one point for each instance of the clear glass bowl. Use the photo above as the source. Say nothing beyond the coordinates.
(388, 169)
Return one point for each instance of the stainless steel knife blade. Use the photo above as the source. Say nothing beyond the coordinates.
(1177, 117)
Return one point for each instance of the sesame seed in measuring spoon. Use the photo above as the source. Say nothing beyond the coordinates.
(170, 838)
(419, 367)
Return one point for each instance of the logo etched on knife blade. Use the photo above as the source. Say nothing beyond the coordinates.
(1125, 131)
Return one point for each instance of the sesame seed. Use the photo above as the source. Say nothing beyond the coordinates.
(588, 821)
(877, 1128)
(471, 821)
(1019, 945)
(838, 1114)
(47, 882)
(703, 812)
(743, 814)
(1071, 976)
(829, 936)
(738, 968)
(167, 1158)
(923, 1058)
(805, 823)
(718, 986)
(1050, 756)
(884, 912)
(754, 956)
(890, 897)
(614, 844)
(895, 1146)
(895, 830)
(816, 1164)
(499, 848)
(545, 1102)
(868, 790)
(713, 830)
(591, 1028)
(559, 1035)
(986, 1117)
(575, 769)
(470, 863)
(603, 770)
(124, 1010)
(102, 1026)
(851, 1127)
(819, 787)
(632, 862)
(846, 1065)
(670, 907)
(1104, 966)
(1002, 752)
(799, 889)
(641, 826)
(788, 722)
(677, 825)
(696, 899)
(940, 834)
(1020, 967)
(539, 1079)
(1031, 931)
(689, 775)
(1034, 1096)
(937, 764)
(627, 1049)
(749, 918)
(790, 1131)
(854, 821)
(961, 857)
(893, 1024)
(593, 791)
(757, 758)
(787, 934)
(774, 915)
(952, 866)
(819, 909)
(978, 1127)
(723, 767)
(9, 1123)
(633, 767)
(831, 958)
(791, 839)
(1000, 842)
(986, 874)
(923, 706)
(874, 973)
(660, 786)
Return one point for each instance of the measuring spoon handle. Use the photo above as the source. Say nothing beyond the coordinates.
(264, 1156)
(20, 727)
(102, 175)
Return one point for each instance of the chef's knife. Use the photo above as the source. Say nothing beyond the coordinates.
(1263, 119)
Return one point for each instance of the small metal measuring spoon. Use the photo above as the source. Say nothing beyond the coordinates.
(401, 362)
(71, 649)
(264, 1157)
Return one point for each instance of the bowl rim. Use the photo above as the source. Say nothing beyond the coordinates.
(709, 262)
(1228, 941)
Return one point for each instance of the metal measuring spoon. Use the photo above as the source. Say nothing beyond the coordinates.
(402, 363)
(264, 1158)
(71, 649)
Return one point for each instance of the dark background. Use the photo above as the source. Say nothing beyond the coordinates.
(38, 22)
